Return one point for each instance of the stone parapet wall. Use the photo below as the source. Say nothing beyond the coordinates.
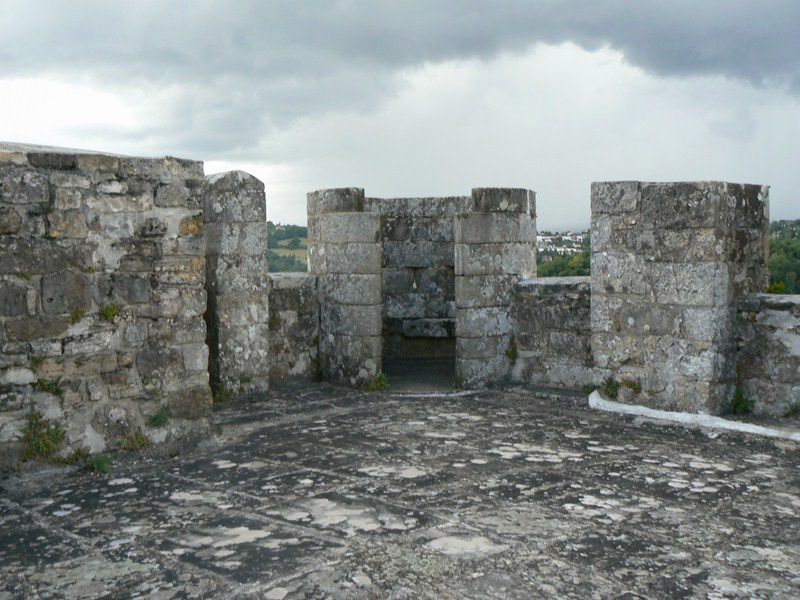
(552, 332)
(344, 251)
(768, 360)
(102, 265)
(293, 326)
(495, 248)
(237, 283)
(669, 263)
(418, 285)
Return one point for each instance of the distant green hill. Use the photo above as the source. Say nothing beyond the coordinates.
(287, 247)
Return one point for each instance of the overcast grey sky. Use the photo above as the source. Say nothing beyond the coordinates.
(418, 97)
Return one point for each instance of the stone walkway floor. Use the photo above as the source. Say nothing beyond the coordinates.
(319, 492)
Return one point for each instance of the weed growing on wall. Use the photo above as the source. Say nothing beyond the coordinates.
(109, 312)
(42, 439)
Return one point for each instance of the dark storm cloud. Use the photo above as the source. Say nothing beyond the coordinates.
(229, 72)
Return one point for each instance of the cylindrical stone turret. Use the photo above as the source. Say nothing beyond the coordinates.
(237, 283)
(495, 247)
(345, 254)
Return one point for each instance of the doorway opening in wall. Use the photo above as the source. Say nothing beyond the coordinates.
(418, 287)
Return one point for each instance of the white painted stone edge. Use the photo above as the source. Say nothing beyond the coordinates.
(598, 402)
(435, 394)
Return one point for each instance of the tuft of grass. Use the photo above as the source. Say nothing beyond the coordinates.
(245, 379)
(511, 351)
(36, 362)
(381, 383)
(793, 410)
(99, 463)
(610, 388)
(76, 316)
(109, 312)
(632, 385)
(50, 386)
(588, 388)
(221, 394)
(160, 418)
(740, 403)
(457, 383)
(273, 321)
(77, 457)
(42, 439)
(135, 440)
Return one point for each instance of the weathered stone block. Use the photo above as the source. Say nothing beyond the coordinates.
(66, 291)
(348, 227)
(13, 299)
(428, 328)
(354, 258)
(487, 228)
(506, 258)
(351, 319)
(335, 200)
(517, 200)
(476, 291)
(350, 289)
(487, 321)
(615, 197)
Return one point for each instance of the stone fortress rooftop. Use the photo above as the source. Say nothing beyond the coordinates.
(138, 319)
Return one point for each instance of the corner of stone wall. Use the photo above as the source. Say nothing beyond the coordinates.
(669, 263)
(768, 358)
(495, 247)
(102, 264)
(237, 282)
(344, 252)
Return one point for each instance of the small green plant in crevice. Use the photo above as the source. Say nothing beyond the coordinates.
(221, 394)
(42, 438)
(610, 388)
(245, 379)
(380, 383)
(160, 418)
(740, 403)
(36, 362)
(273, 321)
(76, 316)
(316, 367)
(135, 440)
(77, 457)
(99, 463)
(588, 388)
(457, 383)
(109, 312)
(793, 410)
(632, 385)
(511, 351)
(50, 386)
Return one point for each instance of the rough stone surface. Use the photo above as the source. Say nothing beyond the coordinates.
(552, 332)
(293, 326)
(237, 282)
(669, 263)
(323, 493)
(344, 253)
(417, 273)
(768, 361)
(495, 248)
(101, 296)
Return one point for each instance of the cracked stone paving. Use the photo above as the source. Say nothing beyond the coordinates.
(321, 492)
